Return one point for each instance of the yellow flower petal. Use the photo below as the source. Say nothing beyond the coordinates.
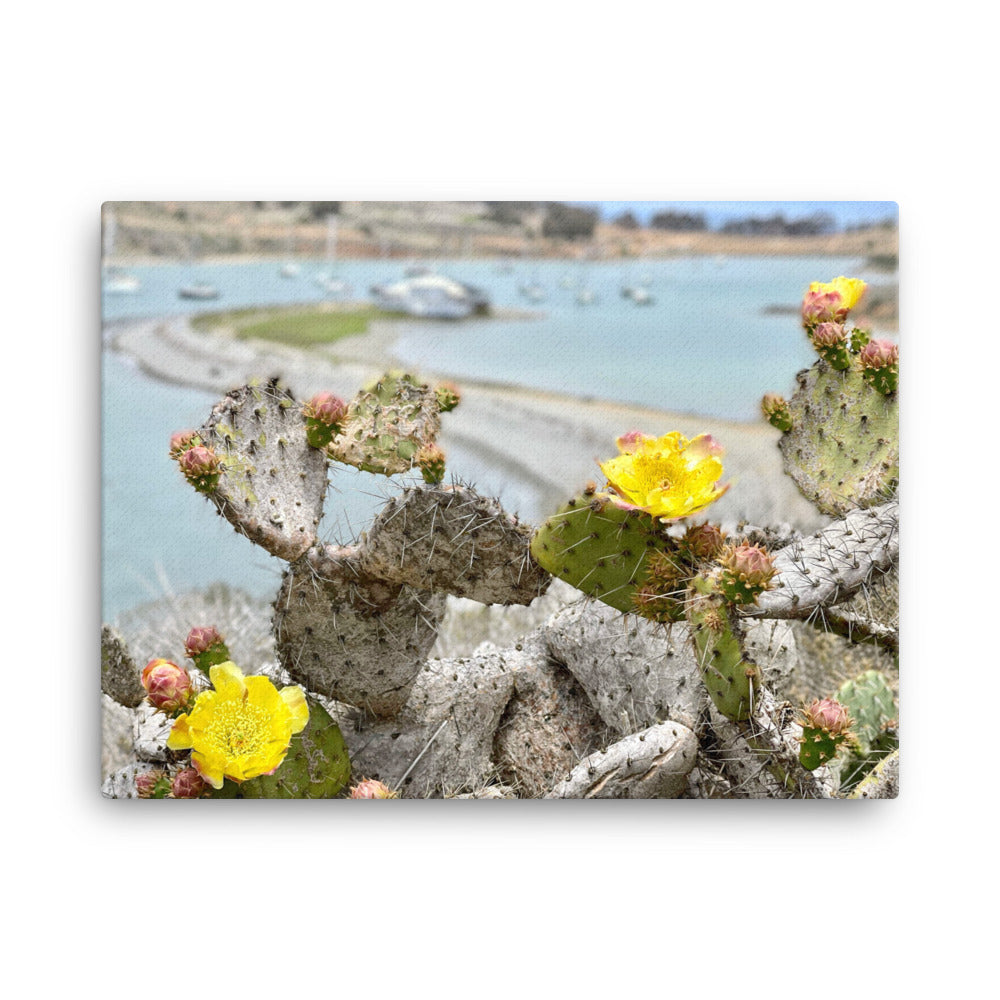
(210, 770)
(227, 679)
(295, 698)
(850, 290)
(180, 734)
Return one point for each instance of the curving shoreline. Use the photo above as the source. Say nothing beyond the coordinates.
(545, 442)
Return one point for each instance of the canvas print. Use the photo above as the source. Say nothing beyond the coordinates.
(500, 500)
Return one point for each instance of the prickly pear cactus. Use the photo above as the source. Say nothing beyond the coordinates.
(317, 765)
(870, 700)
(387, 425)
(599, 548)
(350, 636)
(732, 679)
(272, 482)
(842, 450)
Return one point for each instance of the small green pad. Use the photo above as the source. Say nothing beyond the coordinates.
(386, 425)
(732, 680)
(598, 547)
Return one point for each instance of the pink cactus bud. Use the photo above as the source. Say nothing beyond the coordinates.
(828, 715)
(879, 354)
(751, 564)
(704, 540)
(822, 307)
(146, 782)
(188, 784)
(167, 685)
(371, 789)
(431, 462)
(181, 441)
(829, 335)
(776, 411)
(327, 408)
(198, 462)
(200, 639)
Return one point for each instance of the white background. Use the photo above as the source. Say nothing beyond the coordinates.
(119, 101)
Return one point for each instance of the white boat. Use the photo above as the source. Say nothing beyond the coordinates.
(641, 297)
(119, 282)
(115, 280)
(198, 290)
(430, 296)
(289, 270)
(586, 297)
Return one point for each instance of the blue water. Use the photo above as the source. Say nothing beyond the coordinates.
(704, 346)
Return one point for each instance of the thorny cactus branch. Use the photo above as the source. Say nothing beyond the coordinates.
(832, 564)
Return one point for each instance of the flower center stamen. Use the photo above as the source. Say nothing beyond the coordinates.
(239, 729)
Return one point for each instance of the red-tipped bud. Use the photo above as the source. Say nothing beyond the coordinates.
(206, 647)
(372, 789)
(325, 414)
(181, 441)
(822, 307)
(448, 396)
(879, 361)
(705, 541)
(831, 343)
(431, 462)
(168, 686)
(828, 715)
(201, 468)
(151, 784)
(747, 572)
(776, 411)
(188, 784)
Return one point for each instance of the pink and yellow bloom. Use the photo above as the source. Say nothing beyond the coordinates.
(669, 477)
(831, 301)
(241, 729)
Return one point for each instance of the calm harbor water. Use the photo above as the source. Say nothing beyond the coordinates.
(705, 344)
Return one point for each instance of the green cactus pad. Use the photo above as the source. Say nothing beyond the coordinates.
(599, 548)
(317, 765)
(387, 424)
(818, 747)
(870, 701)
(843, 448)
(272, 485)
(731, 679)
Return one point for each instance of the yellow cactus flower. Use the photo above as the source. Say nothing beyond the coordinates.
(850, 290)
(668, 477)
(242, 729)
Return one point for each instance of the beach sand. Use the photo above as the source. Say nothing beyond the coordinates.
(545, 442)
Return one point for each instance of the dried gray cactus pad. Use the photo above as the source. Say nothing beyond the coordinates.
(652, 764)
(636, 673)
(272, 485)
(882, 782)
(387, 425)
(442, 741)
(843, 448)
(450, 538)
(349, 636)
(120, 677)
(121, 784)
(548, 725)
(832, 564)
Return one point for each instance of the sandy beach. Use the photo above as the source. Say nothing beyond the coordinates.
(547, 443)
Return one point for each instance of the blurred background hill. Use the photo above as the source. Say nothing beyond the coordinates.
(175, 230)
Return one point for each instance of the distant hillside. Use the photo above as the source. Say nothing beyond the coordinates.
(181, 230)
